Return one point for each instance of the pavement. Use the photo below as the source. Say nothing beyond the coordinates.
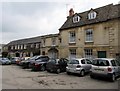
(14, 77)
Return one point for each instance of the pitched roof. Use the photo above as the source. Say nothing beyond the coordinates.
(50, 35)
(26, 41)
(31, 40)
(104, 13)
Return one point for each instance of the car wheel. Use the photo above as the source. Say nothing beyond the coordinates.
(113, 78)
(58, 71)
(68, 73)
(82, 73)
(29, 65)
(43, 68)
(91, 76)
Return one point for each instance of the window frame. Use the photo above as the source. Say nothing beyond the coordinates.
(92, 15)
(88, 52)
(72, 53)
(72, 37)
(76, 19)
(25, 46)
(53, 41)
(89, 35)
(37, 45)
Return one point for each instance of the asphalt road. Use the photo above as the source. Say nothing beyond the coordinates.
(14, 77)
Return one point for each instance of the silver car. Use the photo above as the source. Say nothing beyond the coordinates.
(4, 61)
(106, 67)
(79, 66)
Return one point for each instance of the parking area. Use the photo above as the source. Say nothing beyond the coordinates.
(14, 77)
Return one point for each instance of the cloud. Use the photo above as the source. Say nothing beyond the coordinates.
(42, 21)
(31, 18)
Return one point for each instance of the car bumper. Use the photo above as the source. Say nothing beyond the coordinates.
(71, 70)
(108, 75)
(36, 67)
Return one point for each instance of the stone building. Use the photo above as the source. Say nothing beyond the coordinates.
(24, 47)
(93, 33)
(49, 45)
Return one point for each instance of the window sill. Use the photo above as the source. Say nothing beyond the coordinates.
(88, 41)
(72, 43)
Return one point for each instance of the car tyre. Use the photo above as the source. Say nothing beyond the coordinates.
(91, 76)
(82, 73)
(43, 68)
(68, 73)
(112, 78)
(58, 71)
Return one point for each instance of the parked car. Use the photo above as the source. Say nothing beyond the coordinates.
(19, 60)
(14, 59)
(24, 59)
(26, 63)
(57, 65)
(40, 64)
(4, 61)
(79, 66)
(105, 67)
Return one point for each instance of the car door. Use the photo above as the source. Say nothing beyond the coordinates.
(115, 67)
(72, 65)
(88, 64)
(118, 66)
(84, 64)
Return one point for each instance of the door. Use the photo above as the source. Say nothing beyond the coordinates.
(118, 66)
(88, 64)
(101, 54)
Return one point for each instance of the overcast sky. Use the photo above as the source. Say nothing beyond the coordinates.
(25, 18)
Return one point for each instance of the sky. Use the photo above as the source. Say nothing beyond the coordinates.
(30, 18)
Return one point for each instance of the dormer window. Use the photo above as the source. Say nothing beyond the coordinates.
(76, 19)
(92, 15)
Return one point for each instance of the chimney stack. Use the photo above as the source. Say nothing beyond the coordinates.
(71, 12)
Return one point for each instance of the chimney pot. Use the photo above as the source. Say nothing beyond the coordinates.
(71, 12)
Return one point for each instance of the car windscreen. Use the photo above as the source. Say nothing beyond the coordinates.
(100, 62)
(54, 60)
(32, 58)
(73, 62)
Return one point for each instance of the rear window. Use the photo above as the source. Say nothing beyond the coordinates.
(113, 63)
(73, 62)
(54, 60)
(100, 62)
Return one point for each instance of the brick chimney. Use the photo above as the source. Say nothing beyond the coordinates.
(71, 12)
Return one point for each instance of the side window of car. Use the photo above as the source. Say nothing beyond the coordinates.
(88, 61)
(83, 61)
(117, 62)
(113, 63)
(61, 61)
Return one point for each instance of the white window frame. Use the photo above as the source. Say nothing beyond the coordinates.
(72, 53)
(21, 46)
(32, 45)
(25, 46)
(18, 46)
(76, 19)
(53, 41)
(88, 53)
(72, 37)
(15, 46)
(37, 45)
(92, 15)
(43, 42)
(89, 35)
(12, 47)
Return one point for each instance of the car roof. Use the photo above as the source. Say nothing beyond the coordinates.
(105, 58)
(78, 58)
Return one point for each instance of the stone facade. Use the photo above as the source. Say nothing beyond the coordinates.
(94, 33)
